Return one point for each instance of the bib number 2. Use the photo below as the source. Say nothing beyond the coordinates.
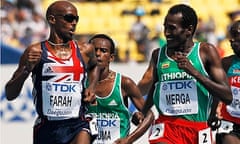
(157, 131)
(204, 136)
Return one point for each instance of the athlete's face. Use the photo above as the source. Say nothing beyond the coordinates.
(235, 39)
(102, 50)
(65, 22)
(175, 34)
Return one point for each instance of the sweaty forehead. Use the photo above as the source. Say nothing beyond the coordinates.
(101, 42)
(173, 18)
(63, 7)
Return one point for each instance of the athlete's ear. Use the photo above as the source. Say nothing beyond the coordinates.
(112, 57)
(51, 19)
(190, 30)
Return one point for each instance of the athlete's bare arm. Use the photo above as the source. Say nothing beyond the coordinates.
(89, 57)
(131, 90)
(28, 61)
(139, 131)
(145, 83)
(149, 100)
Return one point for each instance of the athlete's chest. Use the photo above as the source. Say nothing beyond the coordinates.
(104, 88)
(62, 70)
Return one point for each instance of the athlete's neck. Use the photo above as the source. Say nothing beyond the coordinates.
(106, 76)
(58, 44)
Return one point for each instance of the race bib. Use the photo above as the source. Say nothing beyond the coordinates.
(178, 97)
(204, 136)
(234, 108)
(156, 131)
(93, 126)
(108, 130)
(61, 99)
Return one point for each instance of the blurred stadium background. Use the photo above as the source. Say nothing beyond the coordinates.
(113, 17)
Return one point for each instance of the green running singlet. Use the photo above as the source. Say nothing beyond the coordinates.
(179, 94)
(113, 117)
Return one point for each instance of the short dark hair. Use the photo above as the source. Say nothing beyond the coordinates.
(234, 25)
(112, 48)
(189, 16)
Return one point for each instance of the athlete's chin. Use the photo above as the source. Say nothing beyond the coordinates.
(69, 37)
(171, 45)
(101, 67)
(99, 63)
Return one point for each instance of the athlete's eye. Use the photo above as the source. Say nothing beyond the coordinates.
(104, 50)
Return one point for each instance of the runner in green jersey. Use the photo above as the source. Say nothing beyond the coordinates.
(178, 93)
(112, 93)
(185, 77)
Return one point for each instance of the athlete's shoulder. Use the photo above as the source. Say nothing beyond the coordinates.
(155, 54)
(156, 50)
(127, 81)
(209, 52)
(207, 46)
